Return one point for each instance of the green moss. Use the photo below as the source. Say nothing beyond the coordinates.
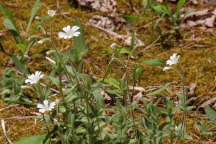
(198, 62)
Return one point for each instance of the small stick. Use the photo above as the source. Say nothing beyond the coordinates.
(10, 106)
(4, 131)
(18, 118)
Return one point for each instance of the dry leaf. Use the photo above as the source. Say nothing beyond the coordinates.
(99, 5)
(205, 17)
(102, 22)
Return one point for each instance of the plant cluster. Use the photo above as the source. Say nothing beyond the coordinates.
(78, 113)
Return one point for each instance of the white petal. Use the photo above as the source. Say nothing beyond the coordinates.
(40, 106)
(45, 103)
(166, 68)
(76, 34)
(75, 28)
(41, 76)
(52, 105)
(66, 29)
(61, 35)
(42, 110)
(27, 81)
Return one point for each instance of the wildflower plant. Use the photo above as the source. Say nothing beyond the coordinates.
(46, 107)
(69, 32)
(79, 114)
(34, 78)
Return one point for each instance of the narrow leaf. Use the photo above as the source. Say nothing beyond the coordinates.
(179, 6)
(155, 62)
(33, 13)
(12, 28)
(159, 90)
(99, 98)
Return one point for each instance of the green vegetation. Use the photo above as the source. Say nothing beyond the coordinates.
(84, 91)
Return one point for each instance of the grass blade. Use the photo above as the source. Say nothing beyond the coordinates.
(33, 13)
(159, 90)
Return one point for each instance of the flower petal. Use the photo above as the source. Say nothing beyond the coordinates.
(76, 34)
(75, 28)
(61, 35)
(42, 110)
(40, 106)
(45, 103)
(52, 104)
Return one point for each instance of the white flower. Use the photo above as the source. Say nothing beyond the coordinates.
(69, 32)
(34, 78)
(51, 13)
(45, 107)
(173, 59)
(113, 45)
(167, 68)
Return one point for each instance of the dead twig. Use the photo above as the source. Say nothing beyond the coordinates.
(10, 106)
(5, 132)
(18, 118)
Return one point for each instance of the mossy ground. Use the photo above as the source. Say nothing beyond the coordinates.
(198, 62)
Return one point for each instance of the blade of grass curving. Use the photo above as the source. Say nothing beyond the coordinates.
(179, 6)
(159, 90)
(33, 13)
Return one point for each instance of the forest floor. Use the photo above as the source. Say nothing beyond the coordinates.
(197, 50)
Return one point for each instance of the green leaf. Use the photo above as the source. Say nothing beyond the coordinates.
(112, 82)
(159, 90)
(6, 12)
(9, 23)
(203, 128)
(138, 72)
(12, 28)
(37, 139)
(179, 6)
(54, 81)
(19, 65)
(162, 9)
(154, 62)
(81, 47)
(124, 51)
(21, 47)
(33, 13)
(210, 113)
(99, 98)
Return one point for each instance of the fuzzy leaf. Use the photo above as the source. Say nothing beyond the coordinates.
(37, 139)
(210, 113)
(155, 62)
